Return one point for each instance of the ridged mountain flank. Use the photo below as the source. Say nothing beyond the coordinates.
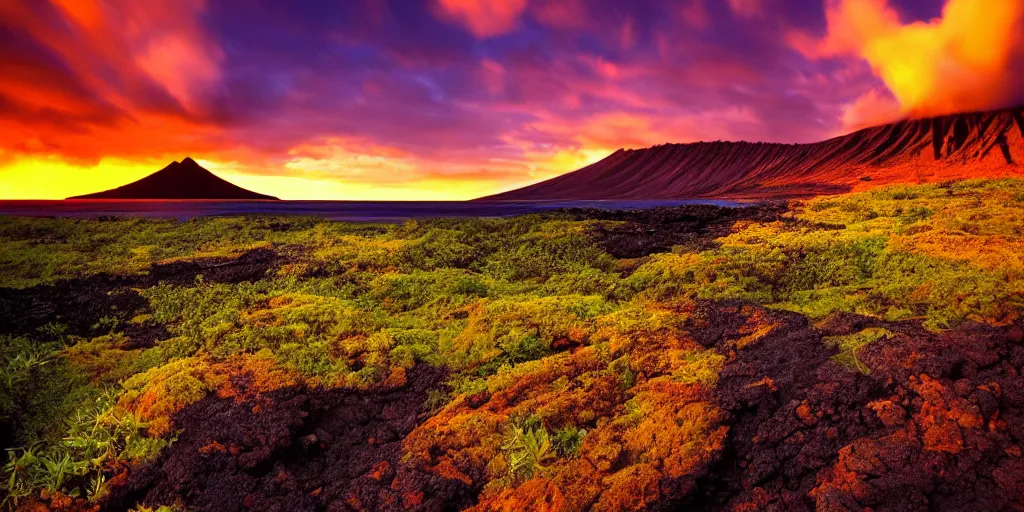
(179, 180)
(982, 144)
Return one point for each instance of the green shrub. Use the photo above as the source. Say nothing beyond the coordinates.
(543, 255)
(527, 450)
(37, 389)
(568, 440)
(621, 369)
(77, 466)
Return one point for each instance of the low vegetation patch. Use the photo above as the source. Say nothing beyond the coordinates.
(571, 377)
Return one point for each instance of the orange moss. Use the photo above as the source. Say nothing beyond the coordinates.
(412, 499)
(638, 434)
(888, 412)
(633, 488)
(157, 395)
(757, 326)
(213, 447)
(456, 444)
(538, 494)
(943, 437)
(678, 431)
(380, 470)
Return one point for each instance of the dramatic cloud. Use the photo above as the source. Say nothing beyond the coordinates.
(962, 61)
(419, 99)
(485, 18)
(83, 78)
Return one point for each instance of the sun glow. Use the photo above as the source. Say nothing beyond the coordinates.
(53, 178)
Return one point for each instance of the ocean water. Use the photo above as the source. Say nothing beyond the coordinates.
(362, 211)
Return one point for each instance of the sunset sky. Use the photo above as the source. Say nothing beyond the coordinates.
(454, 99)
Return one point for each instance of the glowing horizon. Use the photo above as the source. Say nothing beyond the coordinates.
(457, 99)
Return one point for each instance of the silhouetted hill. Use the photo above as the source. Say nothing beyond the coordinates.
(985, 144)
(179, 180)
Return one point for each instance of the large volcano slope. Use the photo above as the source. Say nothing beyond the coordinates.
(982, 144)
(179, 180)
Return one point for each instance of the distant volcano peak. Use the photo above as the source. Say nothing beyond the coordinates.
(180, 180)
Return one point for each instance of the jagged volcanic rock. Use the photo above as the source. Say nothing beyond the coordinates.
(985, 144)
(179, 180)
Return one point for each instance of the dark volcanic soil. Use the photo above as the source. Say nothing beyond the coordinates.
(79, 304)
(88, 306)
(250, 266)
(694, 227)
(937, 425)
(297, 449)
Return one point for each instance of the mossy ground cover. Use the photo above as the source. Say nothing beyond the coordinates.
(572, 377)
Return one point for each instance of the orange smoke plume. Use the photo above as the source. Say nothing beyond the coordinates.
(963, 61)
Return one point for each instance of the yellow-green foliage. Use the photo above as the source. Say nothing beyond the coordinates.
(158, 394)
(700, 367)
(527, 451)
(37, 387)
(939, 253)
(529, 311)
(93, 440)
(103, 359)
(43, 250)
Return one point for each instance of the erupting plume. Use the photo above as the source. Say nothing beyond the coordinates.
(963, 61)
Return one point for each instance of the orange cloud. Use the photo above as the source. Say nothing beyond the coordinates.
(484, 18)
(872, 108)
(160, 38)
(959, 62)
(96, 92)
(610, 131)
(110, 91)
(133, 80)
(351, 160)
(182, 65)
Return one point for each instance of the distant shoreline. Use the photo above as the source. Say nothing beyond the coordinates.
(336, 210)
